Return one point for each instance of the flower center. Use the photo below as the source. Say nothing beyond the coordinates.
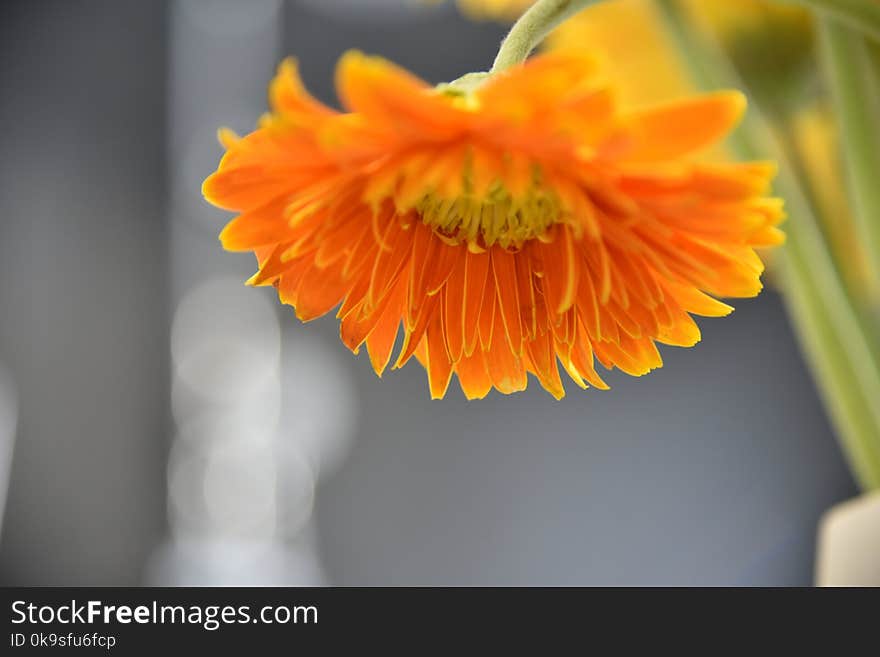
(495, 218)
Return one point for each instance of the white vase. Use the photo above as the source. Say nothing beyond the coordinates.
(848, 552)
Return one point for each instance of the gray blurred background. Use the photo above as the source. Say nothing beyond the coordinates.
(174, 427)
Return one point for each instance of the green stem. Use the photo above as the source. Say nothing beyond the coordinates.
(854, 78)
(860, 15)
(528, 32)
(833, 339)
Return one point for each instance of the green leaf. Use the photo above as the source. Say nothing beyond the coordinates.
(852, 66)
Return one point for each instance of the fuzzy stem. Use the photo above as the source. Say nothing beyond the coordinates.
(528, 32)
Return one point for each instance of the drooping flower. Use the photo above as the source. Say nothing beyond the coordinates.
(508, 227)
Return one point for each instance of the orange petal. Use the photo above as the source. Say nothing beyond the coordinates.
(561, 270)
(541, 356)
(439, 366)
(677, 129)
(245, 188)
(504, 274)
(258, 227)
(288, 95)
(389, 95)
(473, 376)
(380, 341)
(453, 309)
(540, 83)
(476, 273)
(505, 367)
(319, 291)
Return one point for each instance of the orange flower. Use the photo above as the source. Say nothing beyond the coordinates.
(520, 222)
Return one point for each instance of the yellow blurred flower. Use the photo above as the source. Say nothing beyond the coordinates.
(636, 50)
(735, 18)
(771, 45)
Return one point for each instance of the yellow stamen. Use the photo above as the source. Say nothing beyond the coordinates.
(496, 218)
